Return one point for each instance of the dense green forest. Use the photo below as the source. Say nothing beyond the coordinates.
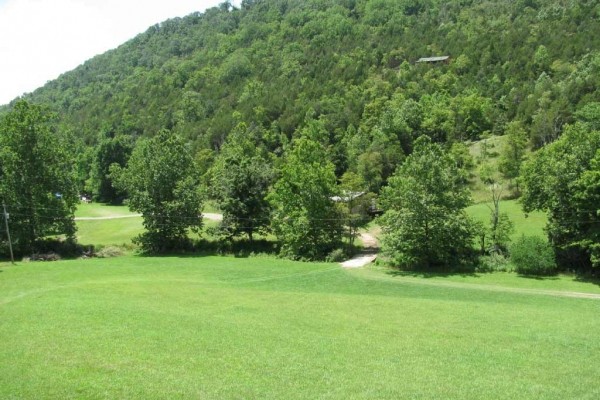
(341, 73)
(348, 64)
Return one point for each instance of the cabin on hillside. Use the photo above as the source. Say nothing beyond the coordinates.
(347, 197)
(434, 60)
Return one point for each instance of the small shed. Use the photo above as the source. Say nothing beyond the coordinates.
(434, 60)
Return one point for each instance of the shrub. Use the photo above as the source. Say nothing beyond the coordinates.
(494, 262)
(337, 255)
(109, 251)
(532, 255)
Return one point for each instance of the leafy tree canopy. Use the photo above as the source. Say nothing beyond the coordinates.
(352, 66)
(240, 180)
(424, 224)
(563, 179)
(162, 183)
(305, 219)
(37, 180)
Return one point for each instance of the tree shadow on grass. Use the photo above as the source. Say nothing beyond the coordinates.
(237, 248)
(432, 274)
(465, 270)
(539, 277)
(587, 278)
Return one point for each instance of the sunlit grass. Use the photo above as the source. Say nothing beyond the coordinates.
(96, 210)
(525, 224)
(117, 231)
(222, 327)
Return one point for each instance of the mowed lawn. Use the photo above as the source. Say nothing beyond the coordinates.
(224, 327)
(113, 225)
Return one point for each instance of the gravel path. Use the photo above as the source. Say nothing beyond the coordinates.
(367, 256)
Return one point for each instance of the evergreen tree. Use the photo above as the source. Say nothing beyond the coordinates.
(513, 152)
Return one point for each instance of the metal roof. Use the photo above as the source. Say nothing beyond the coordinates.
(348, 196)
(433, 59)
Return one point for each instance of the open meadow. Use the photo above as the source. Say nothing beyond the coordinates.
(105, 225)
(531, 224)
(225, 327)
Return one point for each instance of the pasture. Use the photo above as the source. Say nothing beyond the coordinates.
(531, 224)
(225, 327)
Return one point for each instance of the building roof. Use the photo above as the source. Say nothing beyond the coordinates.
(433, 59)
(348, 196)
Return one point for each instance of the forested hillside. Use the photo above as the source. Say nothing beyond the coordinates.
(327, 97)
(350, 66)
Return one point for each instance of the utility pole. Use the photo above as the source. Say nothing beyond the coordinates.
(12, 257)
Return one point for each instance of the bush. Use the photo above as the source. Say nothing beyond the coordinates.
(337, 255)
(108, 252)
(532, 255)
(493, 263)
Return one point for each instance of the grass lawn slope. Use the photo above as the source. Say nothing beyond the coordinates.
(531, 224)
(224, 327)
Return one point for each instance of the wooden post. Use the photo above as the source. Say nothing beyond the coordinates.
(12, 257)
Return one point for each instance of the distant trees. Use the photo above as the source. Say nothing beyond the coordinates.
(37, 179)
(424, 224)
(304, 218)
(162, 183)
(112, 148)
(355, 203)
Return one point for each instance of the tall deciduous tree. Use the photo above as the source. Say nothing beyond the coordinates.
(37, 179)
(424, 223)
(240, 180)
(305, 218)
(563, 179)
(162, 183)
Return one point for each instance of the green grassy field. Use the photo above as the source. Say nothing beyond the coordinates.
(115, 230)
(110, 232)
(525, 224)
(223, 327)
(95, 210)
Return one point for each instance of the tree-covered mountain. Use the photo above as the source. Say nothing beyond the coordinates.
(290, 97)
(347, 66)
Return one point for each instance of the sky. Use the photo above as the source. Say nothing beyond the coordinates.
(41, 39)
